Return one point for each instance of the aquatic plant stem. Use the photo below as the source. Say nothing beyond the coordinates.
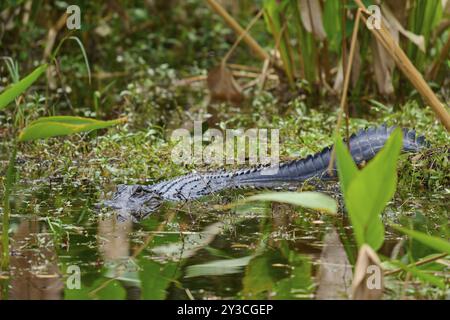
(343, 103)
(6, 208)
(344, 55)
(417, 264)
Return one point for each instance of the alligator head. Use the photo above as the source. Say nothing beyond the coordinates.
(135, 201)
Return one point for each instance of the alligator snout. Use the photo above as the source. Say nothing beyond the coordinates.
(135, 201)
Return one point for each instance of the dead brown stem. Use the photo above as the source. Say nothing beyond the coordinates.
(242, 36)
(408, 69)
(417, 264)
(231, 22)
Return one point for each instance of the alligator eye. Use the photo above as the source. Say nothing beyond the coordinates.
(138, 191)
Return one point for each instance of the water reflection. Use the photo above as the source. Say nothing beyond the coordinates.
(114, 247)
(262, 251)
(34, 264)
(335, 273)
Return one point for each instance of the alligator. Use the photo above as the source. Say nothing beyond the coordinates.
(138, 201)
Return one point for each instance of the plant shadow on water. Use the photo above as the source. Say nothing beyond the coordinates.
(255, 251)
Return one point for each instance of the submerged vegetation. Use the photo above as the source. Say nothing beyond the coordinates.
(79, 117)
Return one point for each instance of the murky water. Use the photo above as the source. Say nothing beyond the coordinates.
(62, 248)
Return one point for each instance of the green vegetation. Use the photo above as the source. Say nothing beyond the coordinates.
(141, 71)
(44, 127)
(367, 192)
(311, 200)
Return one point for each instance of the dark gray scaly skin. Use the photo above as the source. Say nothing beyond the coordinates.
(140, 200)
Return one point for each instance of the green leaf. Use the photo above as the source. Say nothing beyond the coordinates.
(112, 291)
(279, 273)
(421, 275)
(259, 275)
(86, 61)
(332, 24)
(47, 127)
(83, 51)
(436, 243)
(367, 192)
(18, 88)
(218, 267)
(347, 169)
(156, 278)
(273, 12)
(299, 283)
(311, 200)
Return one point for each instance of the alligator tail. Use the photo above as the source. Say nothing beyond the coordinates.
(364, 145)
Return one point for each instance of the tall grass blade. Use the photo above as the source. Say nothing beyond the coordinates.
(18, 88)
(436, 243)
(86, 61)
(10, 175)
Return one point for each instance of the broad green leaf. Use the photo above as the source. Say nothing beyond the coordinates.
(311, 200)
(156, 278)
(421, 275)
(105, 290)
(367, 192)
(18, 88)
(47, 127)
(218, 267)
(436, 243)
(416, 249)
(76, 294)
(112, 291)
(259, 274)
(280, 274)
(299, 282)
(66, 119)
(347, 169)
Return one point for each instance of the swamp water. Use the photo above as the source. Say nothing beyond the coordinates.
(63, 248)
